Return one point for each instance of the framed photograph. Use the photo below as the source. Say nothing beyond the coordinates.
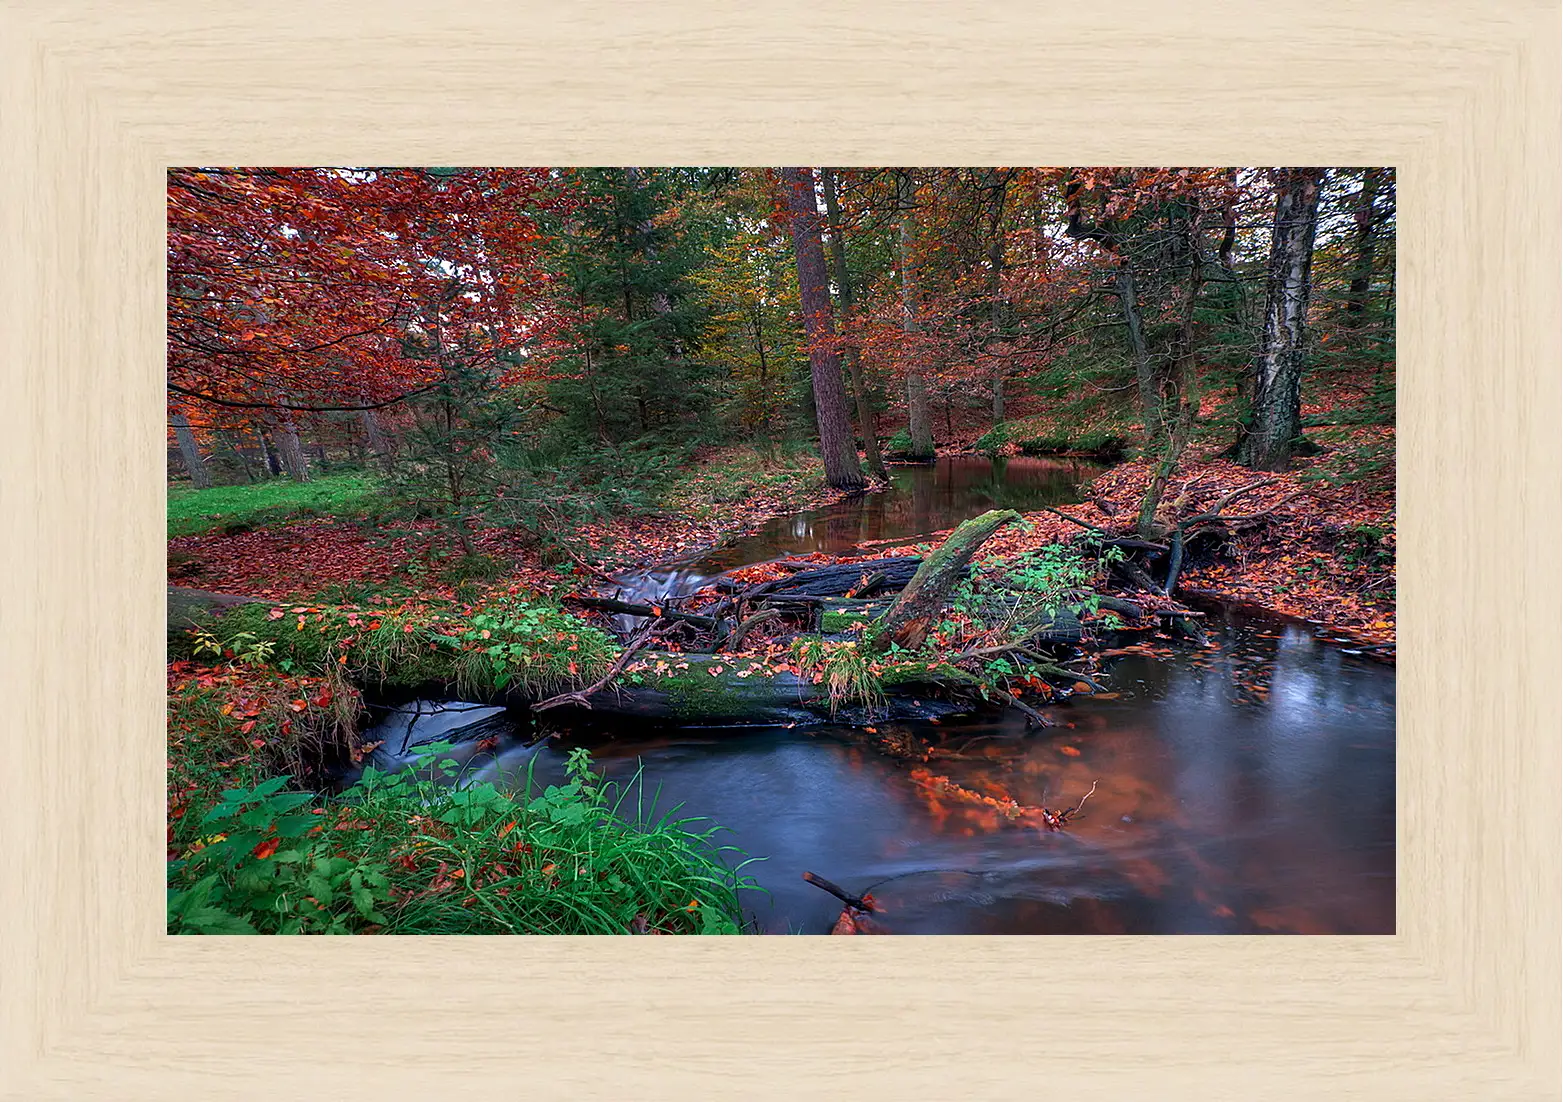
(555, 515)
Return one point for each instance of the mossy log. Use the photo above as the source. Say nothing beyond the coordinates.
(930, 588)
(718, 689)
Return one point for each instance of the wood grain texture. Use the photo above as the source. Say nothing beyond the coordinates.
(98, 98)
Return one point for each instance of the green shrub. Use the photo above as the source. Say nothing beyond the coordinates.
(992, 442)
(899, 444)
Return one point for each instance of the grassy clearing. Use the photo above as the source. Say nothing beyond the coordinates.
(262, 503)
(788, 476)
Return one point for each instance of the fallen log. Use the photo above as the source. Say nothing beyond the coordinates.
(838, 580)
(631, 608)
(928, 591)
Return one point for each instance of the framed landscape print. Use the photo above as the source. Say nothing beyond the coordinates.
(922, 473)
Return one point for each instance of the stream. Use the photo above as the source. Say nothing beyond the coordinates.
(1247, 788)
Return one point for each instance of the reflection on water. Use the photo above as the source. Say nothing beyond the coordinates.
(920, 501)
(1247, 789)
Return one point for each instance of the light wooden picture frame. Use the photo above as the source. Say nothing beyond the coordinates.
(97, 99)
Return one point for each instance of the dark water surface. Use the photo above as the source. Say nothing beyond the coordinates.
(1248, 788)
(921, 500)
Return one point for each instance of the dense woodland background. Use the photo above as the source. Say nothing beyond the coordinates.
(538, 347)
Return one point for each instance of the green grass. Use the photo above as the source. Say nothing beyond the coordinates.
(279, 499)
(789, 474)
(419, 851)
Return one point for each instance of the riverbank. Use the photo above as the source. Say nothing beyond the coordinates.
(1319, 552)
(249, 547)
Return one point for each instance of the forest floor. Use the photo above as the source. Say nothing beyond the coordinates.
(259, 552)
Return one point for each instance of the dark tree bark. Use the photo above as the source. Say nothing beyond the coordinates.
(1366, 219)
(867, 422)
(290, 448)
(998, 185)
(374, 436)
(200, 477)
(916, 385)
(273, 464)
(830, 401)
(1276, 419)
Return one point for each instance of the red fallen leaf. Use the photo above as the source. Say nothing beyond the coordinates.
(266, 848)
(297, 705)
(257, 742)
(246, 728)
(507, 828)
(1069, 751)
(275, 614)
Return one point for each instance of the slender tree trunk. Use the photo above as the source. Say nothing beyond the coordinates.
(868, 424)
(918, 427)
(379, 447)
(200, 477)
(999, 184)
(1144, 371)
(1276, 419)
(830, 401)
(292, 451)
(1366, 232)
(273, 465)
(765, 393)
(1180, 401)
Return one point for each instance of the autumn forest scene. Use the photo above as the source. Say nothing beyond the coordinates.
(831, 550)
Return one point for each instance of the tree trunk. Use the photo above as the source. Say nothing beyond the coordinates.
(929, 590)
(375, 437)
(867, 423)
(1276, 419)
(1144, 371)
(1179, 402)
(916, 385)
(292, 451)
(269, 450)
(1000, 185)
(830, 401)
(1366, 231)
(200, 477)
